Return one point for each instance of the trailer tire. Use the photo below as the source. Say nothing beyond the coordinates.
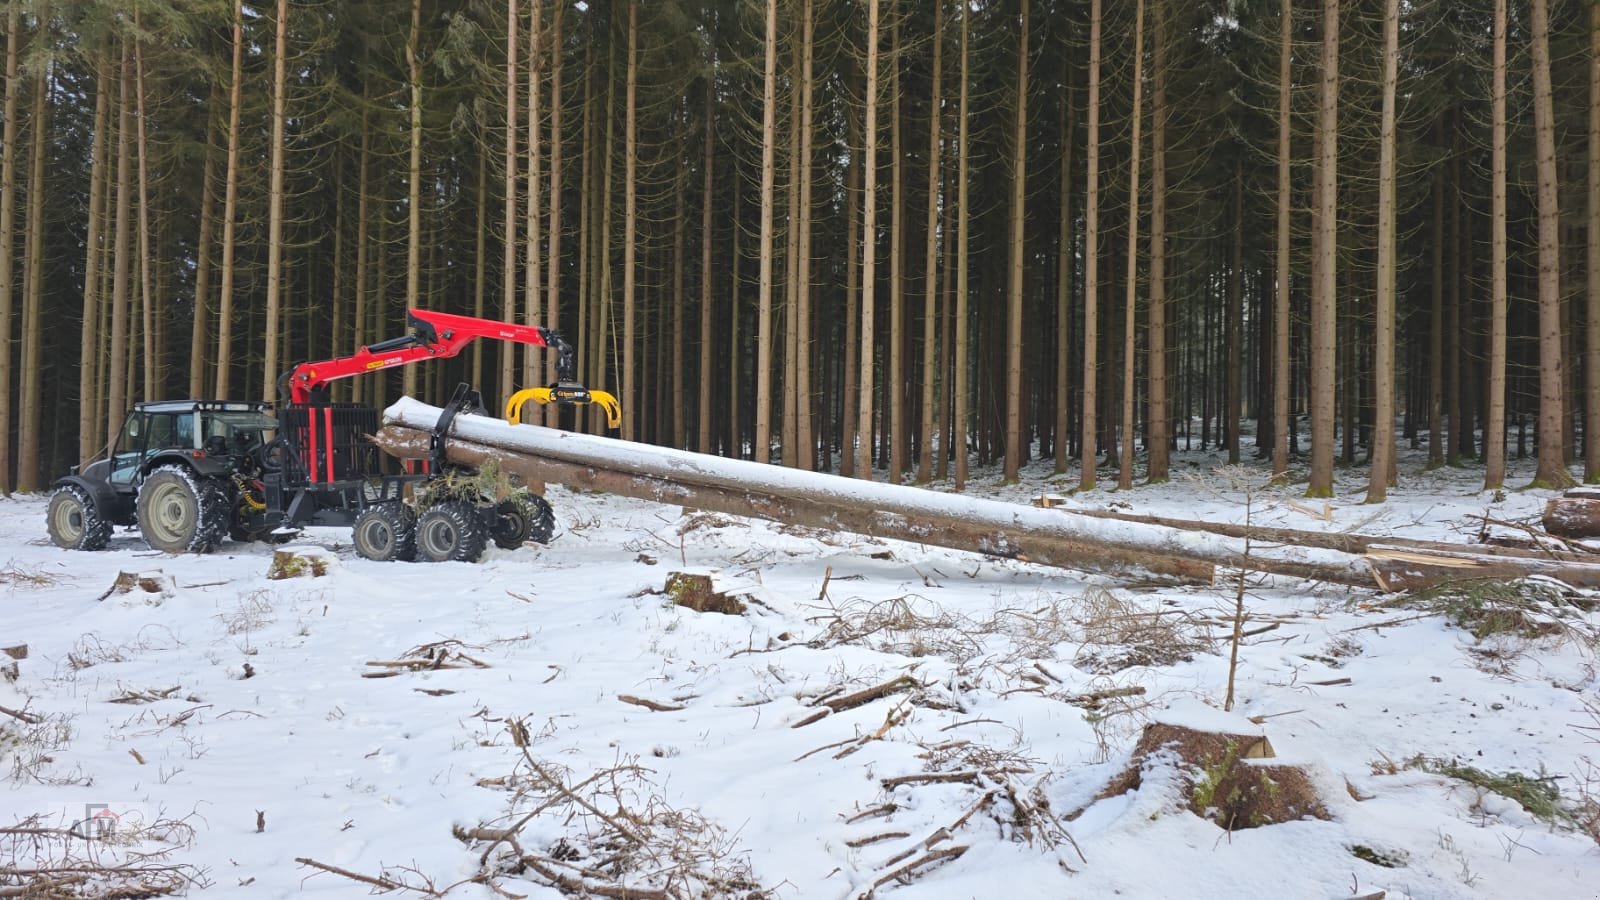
(520, 518)
(180, 512)
(74, 521)
(386, 532)
(451, 531)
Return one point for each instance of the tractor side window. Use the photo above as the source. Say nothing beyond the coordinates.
(162, 433)
(184, 430)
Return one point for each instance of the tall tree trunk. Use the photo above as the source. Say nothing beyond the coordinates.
(708, 366)
(1091, 259)
(117, 376)
(199, 332)
(358, 318)
(804, 419)
(1019, 194)
(1325, 235)
(269, 370)
(1591, 415)
(679, 419)
(1494, 449)
(930, 268)
(1131, 303)
(532, 273)
(630, 226)
(895, 388)
(414, 181)
(1552, 468)
(230, 211)
(851, 405)
(552, 301)
(869, 251)
(964, 161)
(1281, 361)
(1065, 254)
(89, 338)
(147, 291)
(508, 213)
(8, 213)
(769, 140)
(1233, 325)
(31, 418)
(480, 257)
(1158, 435)
(1382, 449)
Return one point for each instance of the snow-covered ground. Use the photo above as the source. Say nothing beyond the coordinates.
(558, 695)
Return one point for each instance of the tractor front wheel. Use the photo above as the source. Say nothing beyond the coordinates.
(179, 512)
(75, 522)
(451, 532)
(386, 532)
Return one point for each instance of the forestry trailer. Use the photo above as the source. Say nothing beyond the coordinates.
(191, 473)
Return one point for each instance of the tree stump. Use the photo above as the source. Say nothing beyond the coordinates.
(695, 591)
(1224, 777)
(299, 562)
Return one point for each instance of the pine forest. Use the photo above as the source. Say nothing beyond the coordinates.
(883, 238)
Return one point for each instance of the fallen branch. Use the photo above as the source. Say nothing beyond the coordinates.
(652, 705)
(380, 882)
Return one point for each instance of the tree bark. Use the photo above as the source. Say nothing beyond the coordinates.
(963, 211)
(1131, 301)
(930, 267)
(1019, 194)
(1324, 255)
(230, 212)
(1088, 454)
(1158, 434)
(90, 422)
(269, 370)
(8, 213)
(552, 300)
(769, 140)
(1382, 448)
(414, 179)
(31, 414)
(532, 274)
(1591, 416)
(1494, 430)
(869, 249)
(1552, 462)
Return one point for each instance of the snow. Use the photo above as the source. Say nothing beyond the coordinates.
(271, 711)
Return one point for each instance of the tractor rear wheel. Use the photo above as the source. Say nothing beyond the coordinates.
(385, 532)
(451, 532)
(180, 512)
(520, 518)
(75, 522)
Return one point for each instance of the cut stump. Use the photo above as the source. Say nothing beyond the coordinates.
(695, 591)
(1225, 778)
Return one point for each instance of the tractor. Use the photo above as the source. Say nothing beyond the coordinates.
(194, 473)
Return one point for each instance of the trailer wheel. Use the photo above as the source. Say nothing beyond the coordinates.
(75, 522)
(385, 532)
(520, 518)
(451, 532)
(179, 513)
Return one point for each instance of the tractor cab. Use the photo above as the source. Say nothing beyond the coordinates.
(227, 434)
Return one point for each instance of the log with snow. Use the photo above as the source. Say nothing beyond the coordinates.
(1055, 537)
(819, 500)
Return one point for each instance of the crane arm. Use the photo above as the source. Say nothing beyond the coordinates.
(433, 335)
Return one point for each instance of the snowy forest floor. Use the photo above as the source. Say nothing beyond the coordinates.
(549, 716)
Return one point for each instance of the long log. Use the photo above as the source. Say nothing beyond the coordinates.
(1047, 536)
